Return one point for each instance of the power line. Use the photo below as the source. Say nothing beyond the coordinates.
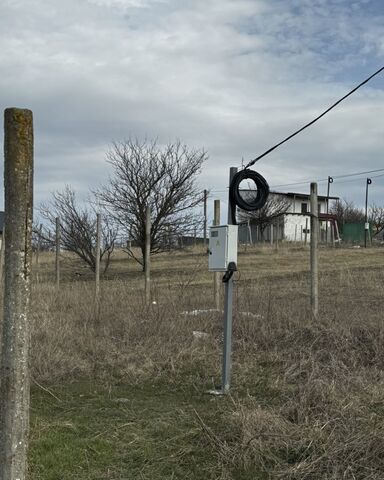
(359, 173)
(326, 179)
(252, 162)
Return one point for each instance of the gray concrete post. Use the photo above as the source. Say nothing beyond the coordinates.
(205, 218)
(97, 257)
(313, 250)
(147, 254)
(14, 346)
(57, 259)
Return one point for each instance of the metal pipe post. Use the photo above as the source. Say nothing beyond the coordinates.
(228, 294)
(330, 180)
(313, 250)
(366, 226)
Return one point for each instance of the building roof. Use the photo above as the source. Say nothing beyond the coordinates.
(304, 196)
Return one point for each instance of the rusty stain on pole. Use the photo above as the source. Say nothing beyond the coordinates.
(14, 370)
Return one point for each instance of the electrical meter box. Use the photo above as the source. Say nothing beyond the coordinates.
(222, 247)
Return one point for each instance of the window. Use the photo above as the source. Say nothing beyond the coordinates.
(304, 208)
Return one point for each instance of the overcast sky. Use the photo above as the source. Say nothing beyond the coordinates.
(231, 76)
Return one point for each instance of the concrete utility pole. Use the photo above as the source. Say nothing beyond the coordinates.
(57, 263)
(205, 218)
(14, 359)
(97, 257)
(216, 278)
(147, 254)
(313, 250)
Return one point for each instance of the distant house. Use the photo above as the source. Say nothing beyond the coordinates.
(294, 225)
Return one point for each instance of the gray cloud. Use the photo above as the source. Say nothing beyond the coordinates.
(231, 77)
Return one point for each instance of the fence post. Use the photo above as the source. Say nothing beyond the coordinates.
(205, 218)
(314, 252)
(147, 254)
(216, 278)
(38, 246)
(14, 360)
(57, 242)
(97, 258)
(2, 256)
(306, 231)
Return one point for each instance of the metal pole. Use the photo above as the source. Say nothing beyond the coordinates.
(147, 254)
(216, 278)
(205, 218)
(313, 250)
(15, 336)
(228, 294)
(97, 257)
(330, 180)
(57, 264)
(271, 234)
(366, 225)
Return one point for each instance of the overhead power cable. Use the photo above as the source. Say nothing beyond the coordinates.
(304, 182)
(252, 162)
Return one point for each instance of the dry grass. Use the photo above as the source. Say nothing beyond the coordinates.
(308, 395)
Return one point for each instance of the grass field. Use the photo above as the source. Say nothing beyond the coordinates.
(121, 393)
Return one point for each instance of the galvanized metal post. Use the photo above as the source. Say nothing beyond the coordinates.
(147, 254)
(216, 278)
(313, 250)
(228, 295)
(330, 180)
(15, 336)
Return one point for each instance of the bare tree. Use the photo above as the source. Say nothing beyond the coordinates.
(347, 212)
(275, 207)
(376, 218)
(78, 228)
(162, 178)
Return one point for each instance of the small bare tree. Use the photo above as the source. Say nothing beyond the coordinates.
(162, 178)
(78, 228)
(275, 207)
(347, 212)
(376, 218)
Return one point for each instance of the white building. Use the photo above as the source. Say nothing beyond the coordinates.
(294, 225)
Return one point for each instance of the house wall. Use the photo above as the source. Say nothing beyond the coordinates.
(295, 204)
(295, 226)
